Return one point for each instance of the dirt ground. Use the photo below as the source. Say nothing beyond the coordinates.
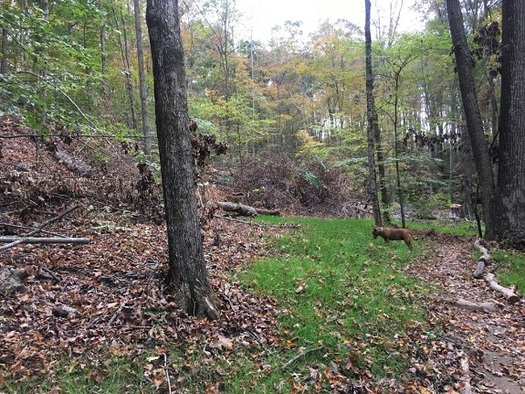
(493, 341)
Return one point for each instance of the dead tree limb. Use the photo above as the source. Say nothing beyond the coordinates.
(17, 241)
(240, 209)
(246, 210)
(491, 278)
(52, 220)
(41, 240)
(483, 260)
(511, 297)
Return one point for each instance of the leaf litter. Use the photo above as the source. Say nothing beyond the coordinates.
(81, 301)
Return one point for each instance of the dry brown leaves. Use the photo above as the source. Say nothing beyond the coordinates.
(115, 286)
(108, 295)
(484, 350)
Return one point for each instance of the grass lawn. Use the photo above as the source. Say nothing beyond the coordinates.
(341, 290)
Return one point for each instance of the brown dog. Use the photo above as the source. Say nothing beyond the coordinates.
(393, 234)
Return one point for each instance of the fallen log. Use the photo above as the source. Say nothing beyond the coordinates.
(240, 209)
(483, 260)
(14, 241)
(511, 297)
(472, 305)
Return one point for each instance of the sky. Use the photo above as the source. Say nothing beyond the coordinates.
(262, 15)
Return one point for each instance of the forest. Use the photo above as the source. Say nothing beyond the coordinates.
(297, 104)
(128, 131)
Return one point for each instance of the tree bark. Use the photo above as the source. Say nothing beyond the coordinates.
(478, 140)
(123, 44)
(511, 172)
(373, 128)
(511, 297)
(142, 83)
(483, 260)
(187, 275)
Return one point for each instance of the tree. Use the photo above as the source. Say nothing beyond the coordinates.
(511, 173)
(124, 55)
(478, 139)
(372, 119)
(187, 275)
(142, 82)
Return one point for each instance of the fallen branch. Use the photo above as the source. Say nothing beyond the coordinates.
(166, 373)
(483, 260)
(471, 305)
(240, 209)
(511, 297)
(41, 240)
(301, 355)
(114, 316)
(18, 240)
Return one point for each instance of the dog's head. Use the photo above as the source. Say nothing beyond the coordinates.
(377, 231)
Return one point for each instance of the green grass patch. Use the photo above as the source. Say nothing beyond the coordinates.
(512, 267)
(461, 228)
(340, 289)
(113, 374)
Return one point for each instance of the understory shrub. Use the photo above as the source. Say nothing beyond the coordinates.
(271, 180)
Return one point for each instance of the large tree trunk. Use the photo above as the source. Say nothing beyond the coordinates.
(187, 276)
(478, 140)
(511, 173)
(373, 128)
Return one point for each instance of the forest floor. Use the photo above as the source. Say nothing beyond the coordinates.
(493, 343)
(77, 302)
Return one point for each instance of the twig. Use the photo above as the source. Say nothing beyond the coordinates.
(114, 316)
(53, 219)
(166, 372)
(52, 274)
(301, 355)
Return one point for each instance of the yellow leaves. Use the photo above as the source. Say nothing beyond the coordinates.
(309, 144)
